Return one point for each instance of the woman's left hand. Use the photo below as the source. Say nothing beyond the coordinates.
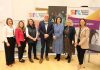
(54, 37)
(72, 42)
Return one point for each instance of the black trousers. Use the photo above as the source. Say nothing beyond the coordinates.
(9, 51)
(80, 54)
(21, 50)
(44, 43)
(32, 47)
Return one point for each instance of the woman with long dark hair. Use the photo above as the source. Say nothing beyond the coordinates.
(58, 38)
(32, 35)
(82, 41)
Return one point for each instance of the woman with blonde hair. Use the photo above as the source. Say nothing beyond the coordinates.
(69, 34)
(20, 40)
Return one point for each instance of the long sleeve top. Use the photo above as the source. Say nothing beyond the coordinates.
(19, 35)
(8, 32)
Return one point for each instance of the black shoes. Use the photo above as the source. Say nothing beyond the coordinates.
(31, 60)
(69, 60)
(22, 60)
(56, 56)
(10, 65)
(58, 59)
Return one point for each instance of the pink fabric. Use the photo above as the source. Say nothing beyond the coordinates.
(19, 35)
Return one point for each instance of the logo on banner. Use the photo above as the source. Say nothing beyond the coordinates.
(79, 12)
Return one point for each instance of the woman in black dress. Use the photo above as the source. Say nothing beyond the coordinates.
(69, 33)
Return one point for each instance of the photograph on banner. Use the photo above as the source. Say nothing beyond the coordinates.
(92, 17)
(55, 11)
(37, 16)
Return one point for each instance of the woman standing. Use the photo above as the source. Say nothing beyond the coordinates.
(69, 34)
(9, 42)
(20, 39)
(32, 34)
(58, 38)
(82, 41)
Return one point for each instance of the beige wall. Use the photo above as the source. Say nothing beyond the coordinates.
(19, 9)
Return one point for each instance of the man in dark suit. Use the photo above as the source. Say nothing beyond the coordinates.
(46, 33)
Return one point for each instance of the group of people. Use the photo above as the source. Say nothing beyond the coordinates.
(64, 38)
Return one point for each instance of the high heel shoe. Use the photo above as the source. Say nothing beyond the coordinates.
(58, 59)
(69, 60)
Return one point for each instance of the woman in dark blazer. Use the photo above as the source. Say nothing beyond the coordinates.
(69, 33)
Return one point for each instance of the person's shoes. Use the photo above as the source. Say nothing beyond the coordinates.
(22, 60)
(36, 58)
(47, 58)
(66, 57)
(31, 60)
(69, 60)
(41, 60)
(10, 65)
(58, 59)
(56, 56)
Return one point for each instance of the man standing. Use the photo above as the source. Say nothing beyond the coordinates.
(46, 30)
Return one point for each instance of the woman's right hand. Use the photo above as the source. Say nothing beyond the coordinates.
(19, 45)
(8, 44)
(75, 44)
(34, 39)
